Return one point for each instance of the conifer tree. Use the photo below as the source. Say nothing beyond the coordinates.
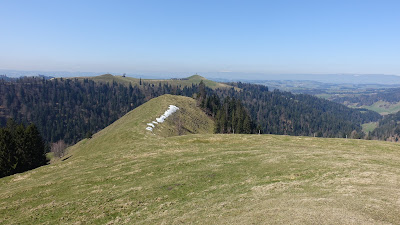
(202, 95)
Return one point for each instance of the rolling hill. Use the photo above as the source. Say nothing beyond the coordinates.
(194, 79)
(126, 174)
(384, 101)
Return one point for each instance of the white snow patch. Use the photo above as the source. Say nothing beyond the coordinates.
(171, 109)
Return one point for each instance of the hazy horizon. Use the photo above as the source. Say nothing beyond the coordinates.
(230, 76)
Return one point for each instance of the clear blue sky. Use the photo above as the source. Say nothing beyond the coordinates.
(323, 36)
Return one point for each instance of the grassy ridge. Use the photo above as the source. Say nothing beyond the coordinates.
(125, 174)
(195, 79)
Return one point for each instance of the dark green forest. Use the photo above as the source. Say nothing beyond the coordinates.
(68, 109)
(230, 115)
(279, 112)
(21, 148)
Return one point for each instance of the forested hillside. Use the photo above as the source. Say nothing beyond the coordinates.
(286, 113)
(388, 128)
(67, 109)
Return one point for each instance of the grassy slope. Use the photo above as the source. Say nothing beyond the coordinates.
(369, 127)
(195, 79)
(384, 108)
(381, 107)
(125, 174)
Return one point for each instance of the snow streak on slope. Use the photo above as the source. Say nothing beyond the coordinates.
(171, 109)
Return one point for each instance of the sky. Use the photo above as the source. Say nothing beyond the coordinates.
(263, 37)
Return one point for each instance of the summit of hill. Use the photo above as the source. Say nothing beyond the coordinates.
(196, 77)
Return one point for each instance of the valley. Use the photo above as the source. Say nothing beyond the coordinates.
(382, 98)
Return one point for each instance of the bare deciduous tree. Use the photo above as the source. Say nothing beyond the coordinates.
(58, 148)
(178, 123)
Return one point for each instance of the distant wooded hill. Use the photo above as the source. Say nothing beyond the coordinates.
(391, 95)
(69, 108)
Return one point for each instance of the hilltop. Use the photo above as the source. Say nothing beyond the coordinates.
(125, 174)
